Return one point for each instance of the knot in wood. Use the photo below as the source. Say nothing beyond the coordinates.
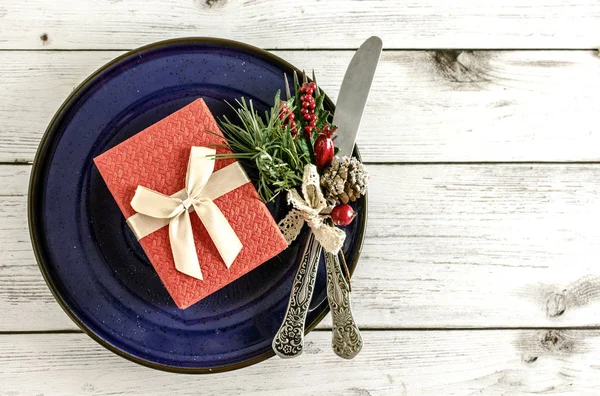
(556, 305)
(556, 341)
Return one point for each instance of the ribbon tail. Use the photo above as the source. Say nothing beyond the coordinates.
(223, 236)
(291, 225)
(331, 238)
(183, 247)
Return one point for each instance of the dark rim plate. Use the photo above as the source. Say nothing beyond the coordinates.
(94, 267)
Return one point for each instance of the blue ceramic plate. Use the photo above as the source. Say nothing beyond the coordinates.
(90, 259)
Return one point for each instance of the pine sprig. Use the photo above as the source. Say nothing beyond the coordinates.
(268, 145)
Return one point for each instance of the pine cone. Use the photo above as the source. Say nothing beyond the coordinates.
(344, 180)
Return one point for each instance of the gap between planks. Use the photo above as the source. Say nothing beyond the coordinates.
(387, 49)
(365, 329)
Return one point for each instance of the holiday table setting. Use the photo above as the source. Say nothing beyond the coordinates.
(346, 198)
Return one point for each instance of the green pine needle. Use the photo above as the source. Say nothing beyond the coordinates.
(267, 145)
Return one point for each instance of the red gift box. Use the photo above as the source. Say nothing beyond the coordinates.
(157, 158)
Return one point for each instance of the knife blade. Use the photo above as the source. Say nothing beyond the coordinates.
(354, 92)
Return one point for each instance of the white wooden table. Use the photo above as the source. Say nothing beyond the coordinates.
(480, 272)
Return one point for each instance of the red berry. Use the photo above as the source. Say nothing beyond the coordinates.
(343, 215)
(308, 129)
(291, 116)
(305, 104)
(293, 124)
(306, 117)
(303, 111)
(302, 98)
(312, 105)
(312, 124)
(309, 91)
(313, 117)
(324, 151)
(312, 85)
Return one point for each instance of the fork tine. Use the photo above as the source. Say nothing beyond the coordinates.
(304, 79)
(287, 87)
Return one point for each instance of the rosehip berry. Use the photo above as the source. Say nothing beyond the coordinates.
(324, 151)
(343, 215)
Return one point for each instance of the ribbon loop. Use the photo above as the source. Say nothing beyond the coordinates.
(309, 208)
(221, 233)
(176, 210)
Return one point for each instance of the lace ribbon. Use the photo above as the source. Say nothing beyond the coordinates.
(311, 208)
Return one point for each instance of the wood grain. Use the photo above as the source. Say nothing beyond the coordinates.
(117, 24)
(426, 106)
(514, 362)
(446, 246)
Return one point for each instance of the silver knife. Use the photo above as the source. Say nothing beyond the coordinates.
(346, 342)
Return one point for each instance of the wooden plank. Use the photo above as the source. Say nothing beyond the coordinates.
(446, 246)
(14, 180)
(427, 106)
(110, 24)
(515, 362)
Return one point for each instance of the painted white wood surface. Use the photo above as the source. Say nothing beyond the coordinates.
(501, 259)
(426, 106)
(447, 246)
(394, 363)
(125, 24)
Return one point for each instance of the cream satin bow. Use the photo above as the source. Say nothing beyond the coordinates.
(195, 197)
(311, 208)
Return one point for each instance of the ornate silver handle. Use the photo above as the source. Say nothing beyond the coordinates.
(289, 340)
(346, 340)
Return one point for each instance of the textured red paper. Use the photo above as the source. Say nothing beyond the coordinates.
(157, 158)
